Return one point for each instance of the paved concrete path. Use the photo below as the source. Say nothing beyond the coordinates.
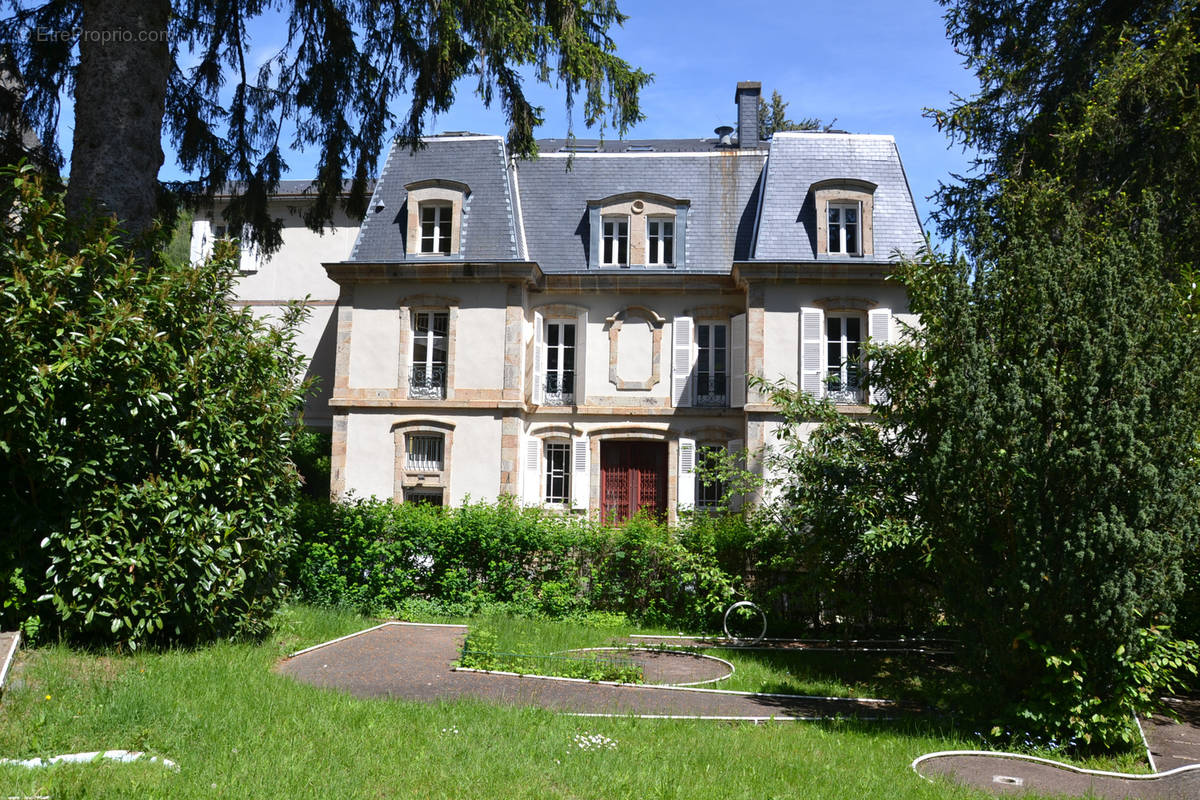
(413, 662)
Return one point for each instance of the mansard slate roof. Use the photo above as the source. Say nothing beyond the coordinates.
(489, 231)
(787, 228)
(743, 204)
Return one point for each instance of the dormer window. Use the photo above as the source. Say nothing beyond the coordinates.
(843, 228)
(660, 241)
(616, 241)
(637, 230)
(436, 218)
(844, 210)
(435, 228)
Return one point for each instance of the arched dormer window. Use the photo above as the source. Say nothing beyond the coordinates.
(435, 212)
(637, 230)
(845, 217)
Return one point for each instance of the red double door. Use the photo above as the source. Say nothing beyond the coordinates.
(633, 476)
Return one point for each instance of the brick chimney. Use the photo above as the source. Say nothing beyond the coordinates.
(746, 97)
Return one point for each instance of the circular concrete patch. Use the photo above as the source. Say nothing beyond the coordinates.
(670, 667)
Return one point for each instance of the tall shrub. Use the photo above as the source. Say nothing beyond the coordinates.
(1050, 431)
(144, 427)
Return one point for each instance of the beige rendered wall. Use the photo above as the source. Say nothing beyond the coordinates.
(601, 391)
(295, 272)
(781, 353)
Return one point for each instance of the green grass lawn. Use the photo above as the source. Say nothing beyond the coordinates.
(238, 730)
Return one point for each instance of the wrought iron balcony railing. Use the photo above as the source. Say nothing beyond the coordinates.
(428, 383)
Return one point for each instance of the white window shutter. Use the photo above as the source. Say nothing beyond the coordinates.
(737, 361)
(681, 362)
(735, 447)
(531, 472)
(812, 354)
(539, 359)
(581, 342)
(249, 261)
(686, 485)
(202, 240)
(879, 328)
(581, 478)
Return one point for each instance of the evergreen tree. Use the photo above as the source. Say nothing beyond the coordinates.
(1048, 412)
(129, 68)
(774, 118)
(1101, 95)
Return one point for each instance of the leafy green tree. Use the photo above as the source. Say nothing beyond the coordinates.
(1101, 95)
(144, 433)
(837, 526)
(137, 70)
(773, 117)
(1048, 410)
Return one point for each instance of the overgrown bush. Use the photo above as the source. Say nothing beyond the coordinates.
(377, 556)
(144, 432)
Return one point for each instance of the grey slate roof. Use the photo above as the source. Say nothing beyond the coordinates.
(488, 232)
(722, 188)
(549, 222)
(787, 229)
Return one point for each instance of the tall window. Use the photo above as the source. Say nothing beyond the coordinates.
(428, 377)
(424, 452)
(560, 363)
(435, 228)
(712, 359)
(843, 228)
(558, 473)
(616, 240)
(843, 378)
(660, 241)
(709, 487)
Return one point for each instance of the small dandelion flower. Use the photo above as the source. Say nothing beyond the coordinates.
(47, 697)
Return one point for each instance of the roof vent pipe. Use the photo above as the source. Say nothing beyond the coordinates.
(725, 134)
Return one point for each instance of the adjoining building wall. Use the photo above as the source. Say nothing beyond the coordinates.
(294, 272)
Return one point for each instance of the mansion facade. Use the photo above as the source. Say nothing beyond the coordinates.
(577, 330)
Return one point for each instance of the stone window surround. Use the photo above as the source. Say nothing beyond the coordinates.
(614, 323)
(554, 433)
(845, 190)
(560, 312)
(426, 480)
(436, 190)
(426, 302)
(637, 207)
(845, 306)
(713, 436)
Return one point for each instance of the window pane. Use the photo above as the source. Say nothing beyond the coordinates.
(668, 251)
(851, 216)
(833, 328)
(835, 215)
(702, 332)
(608, 249)
(558, 484)
(853, 329)
(851, 238)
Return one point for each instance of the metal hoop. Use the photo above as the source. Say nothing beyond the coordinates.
(739, 640)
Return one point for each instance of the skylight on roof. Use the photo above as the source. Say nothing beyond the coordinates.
(640, 148)
(579, 148)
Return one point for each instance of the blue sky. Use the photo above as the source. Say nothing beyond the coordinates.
(872, 66)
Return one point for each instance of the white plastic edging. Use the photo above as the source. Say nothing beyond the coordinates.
(669, 688)
(1145, 743)
(1131, 776)
(123, 756)
(8, 658)
(373, 628)
(732, 669)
